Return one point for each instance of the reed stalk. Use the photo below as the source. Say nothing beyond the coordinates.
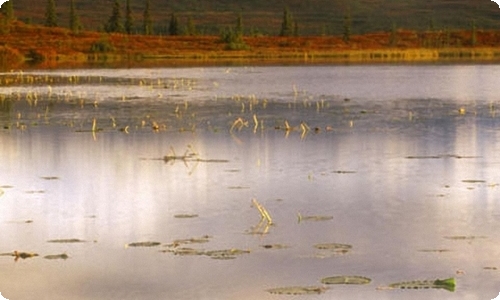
(263, 211)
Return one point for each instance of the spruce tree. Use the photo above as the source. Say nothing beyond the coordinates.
(50, 14)
(173, 27)
(393, 37)
(239, 26)
(474, 33)
(115, 21)
(7, 10)
(190, 27)
(148, 23)
(346, 37)
(287, 24)
(129, 21)
(74, 20)
(295, 28)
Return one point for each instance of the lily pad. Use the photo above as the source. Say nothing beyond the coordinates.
(49, 177)
(464, 237)
(435, 250)
(298, 290)
(313, 218)
(226, 254)
(446, 284)
(333, 247)
(143, 244)
(215, 254)
(185, 251)
(200, 240)
(331, 250)
(66, 241)
(275, 246)
(346, 280)
(57, 256)
(185, 216)
(474, 181)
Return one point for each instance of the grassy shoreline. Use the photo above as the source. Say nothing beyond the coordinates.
(42, 47)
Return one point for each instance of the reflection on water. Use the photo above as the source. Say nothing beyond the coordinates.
(405, 160)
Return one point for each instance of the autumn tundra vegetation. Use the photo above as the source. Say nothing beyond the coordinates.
(128, 36)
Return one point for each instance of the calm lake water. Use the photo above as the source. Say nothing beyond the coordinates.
(403, 163)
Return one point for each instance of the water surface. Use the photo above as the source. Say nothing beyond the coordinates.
(404, 158)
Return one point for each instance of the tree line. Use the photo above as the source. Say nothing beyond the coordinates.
(232, 35)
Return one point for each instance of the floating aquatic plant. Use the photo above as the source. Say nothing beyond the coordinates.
(143, 244)
(346, 280)
(57, 256)
(446, 284)
(313, 218)
(331, 249)
(66, 241)
(19, 254)
(214, 254)
(200, 240)
(50, 177)
(298, 290)
(464, 237)
(435, 250)
(275, 246)
(473, 181)
(185, 216)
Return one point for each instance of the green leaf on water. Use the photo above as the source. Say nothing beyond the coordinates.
(448, 284)
(346, 280)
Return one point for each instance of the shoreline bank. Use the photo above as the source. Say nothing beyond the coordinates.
(358, 57)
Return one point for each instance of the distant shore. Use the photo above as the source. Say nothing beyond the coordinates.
(38, 47)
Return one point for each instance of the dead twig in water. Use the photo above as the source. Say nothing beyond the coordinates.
(263, 212)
